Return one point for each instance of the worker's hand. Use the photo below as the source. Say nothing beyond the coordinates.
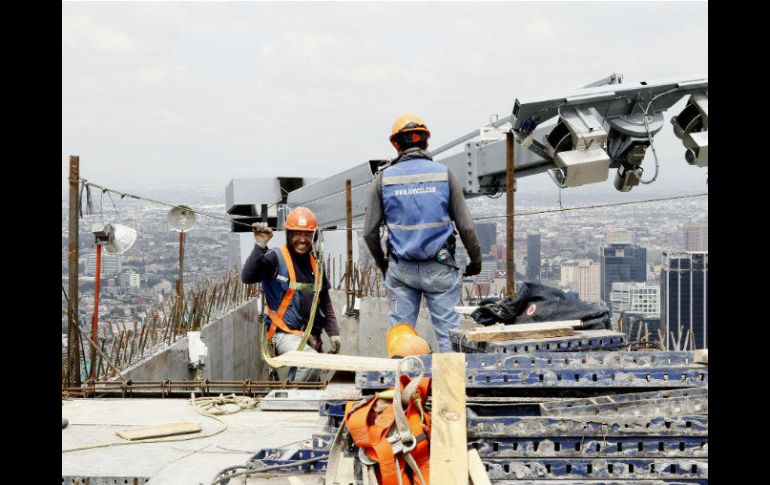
(262, 233)
(336, 343)
(472, 269)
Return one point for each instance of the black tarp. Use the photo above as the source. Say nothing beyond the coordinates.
(536, 302)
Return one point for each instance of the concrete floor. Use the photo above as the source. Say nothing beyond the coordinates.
(189, 462)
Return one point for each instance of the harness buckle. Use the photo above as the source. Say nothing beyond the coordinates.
(399, 445)
(364, 458)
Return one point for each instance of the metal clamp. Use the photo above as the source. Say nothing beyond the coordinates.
(365, 459)
(399, 445)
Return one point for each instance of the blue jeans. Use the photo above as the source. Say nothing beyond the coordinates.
(408, 281)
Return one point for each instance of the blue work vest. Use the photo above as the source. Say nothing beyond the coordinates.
(276, 288)
(415, 198)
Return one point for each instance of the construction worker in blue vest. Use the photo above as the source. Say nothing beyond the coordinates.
(288, 276)
(417, 200)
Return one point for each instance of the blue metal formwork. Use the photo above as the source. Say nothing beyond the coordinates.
(613, 369)
(585, 340)
(671, 402)
(610, 481)
(615, 447)
(288, 455)
(332, 408)
(597, 468)
(592, 447)
(592, 426)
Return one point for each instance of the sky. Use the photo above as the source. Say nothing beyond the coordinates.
(166, 95)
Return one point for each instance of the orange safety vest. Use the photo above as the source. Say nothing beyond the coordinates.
(369, 431)
(276, 317)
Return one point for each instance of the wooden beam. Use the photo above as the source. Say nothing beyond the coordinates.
(476, 469)
(465, 310)
(701, 356)
(518, 331)
(335, 361)
(448, 440)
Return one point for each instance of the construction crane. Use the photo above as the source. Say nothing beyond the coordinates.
(576, 137)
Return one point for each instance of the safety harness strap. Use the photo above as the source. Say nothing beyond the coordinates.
(380, 440)
(276, 318)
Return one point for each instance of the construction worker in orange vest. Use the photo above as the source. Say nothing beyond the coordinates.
(288, 276)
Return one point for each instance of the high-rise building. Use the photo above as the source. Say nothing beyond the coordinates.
(487, 234)
(621, 262)
(498, 251)
(684, 297)
(110, 264)
(696, 237)
(488, 269)
(533, 257)
(582, 275)
(134, 280)
(618, 236)
(638, 298)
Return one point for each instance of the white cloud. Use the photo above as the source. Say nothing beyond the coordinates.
(256, 85)
(159, 74)
(81, 31)
(165, 117)
(397, 76)
(540, 27)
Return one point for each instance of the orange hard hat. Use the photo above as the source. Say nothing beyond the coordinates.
(301, 219)
(408, 123)
(403, 341)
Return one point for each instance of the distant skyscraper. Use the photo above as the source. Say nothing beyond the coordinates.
(488, 269)
(110, 264)
(498, 251)
(134, 280)
(618, 236)
(583, 276)
(639, 298)
(621, 262)
(696, 237)
(487, 234)
(684, 297)
(533, 257)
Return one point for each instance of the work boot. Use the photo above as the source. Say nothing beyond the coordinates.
(64, 423)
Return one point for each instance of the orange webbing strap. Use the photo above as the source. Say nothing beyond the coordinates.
(276, 318)
(419, 423)
(370, 433)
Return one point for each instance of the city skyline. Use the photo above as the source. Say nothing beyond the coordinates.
(565, 236)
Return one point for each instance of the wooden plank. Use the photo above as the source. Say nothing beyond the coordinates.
(589, 334)
(335, 361)
(526, 334)
(476, 469)
(701, 356)
(159, 431)
(519, 331)
(448, 440)
(465, 310)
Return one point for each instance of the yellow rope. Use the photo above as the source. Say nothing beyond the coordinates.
(206, 406)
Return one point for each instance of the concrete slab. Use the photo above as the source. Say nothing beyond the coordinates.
(177, 461)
